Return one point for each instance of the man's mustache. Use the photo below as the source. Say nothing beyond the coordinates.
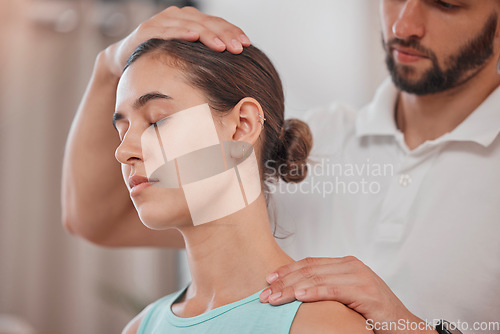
(409, 43)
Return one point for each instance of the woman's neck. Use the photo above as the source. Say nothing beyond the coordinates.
(229, 259)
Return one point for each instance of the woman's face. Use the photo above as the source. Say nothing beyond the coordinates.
(180, 164)
(149, 91)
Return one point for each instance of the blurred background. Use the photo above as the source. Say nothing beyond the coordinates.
(52, 282)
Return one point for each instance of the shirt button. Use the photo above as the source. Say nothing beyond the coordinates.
(404, 180)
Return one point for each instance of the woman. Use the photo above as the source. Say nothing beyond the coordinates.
(201, 132)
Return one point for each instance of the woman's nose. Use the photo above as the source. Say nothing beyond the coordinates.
(129, 151)
(410, 22)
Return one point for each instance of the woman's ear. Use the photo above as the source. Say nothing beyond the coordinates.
(249, 119)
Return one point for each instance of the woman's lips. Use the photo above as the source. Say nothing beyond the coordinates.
(140, 187)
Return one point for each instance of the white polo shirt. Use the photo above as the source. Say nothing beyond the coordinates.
(427, 221)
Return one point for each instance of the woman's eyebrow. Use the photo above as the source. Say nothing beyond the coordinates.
(141, 102)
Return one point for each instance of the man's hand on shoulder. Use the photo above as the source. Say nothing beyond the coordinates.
(345, 280)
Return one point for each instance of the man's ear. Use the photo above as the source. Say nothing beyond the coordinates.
(249, 120)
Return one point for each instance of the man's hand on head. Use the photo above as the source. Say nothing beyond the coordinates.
(185, 23)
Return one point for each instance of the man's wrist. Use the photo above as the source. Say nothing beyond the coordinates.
(406, 323)
(443, 327)
(103, 70)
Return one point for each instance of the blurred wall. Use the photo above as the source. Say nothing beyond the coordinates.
(325, 50)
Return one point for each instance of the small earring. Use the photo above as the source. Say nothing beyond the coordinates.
(261, 120)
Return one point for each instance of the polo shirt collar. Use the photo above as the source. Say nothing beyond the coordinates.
(482, 126)
(377, 118)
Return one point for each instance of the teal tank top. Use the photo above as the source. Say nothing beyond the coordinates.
(247, 315)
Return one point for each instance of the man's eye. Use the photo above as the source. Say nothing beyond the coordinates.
(445, 5)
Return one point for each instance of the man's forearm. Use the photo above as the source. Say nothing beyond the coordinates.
(408, 325)
(92, 186)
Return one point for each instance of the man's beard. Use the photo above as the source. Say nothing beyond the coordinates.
(472, 55)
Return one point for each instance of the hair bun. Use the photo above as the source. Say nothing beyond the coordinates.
(296, 141)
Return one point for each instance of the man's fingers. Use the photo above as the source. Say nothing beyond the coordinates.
(335, 287)
(231, 35)
(323, 276)
(180, 29)
(215, 32)
(309, 276)
(285, 296)
(233, 38)
(305, 263)
(173, 33)
(336, 292)
(309, 273)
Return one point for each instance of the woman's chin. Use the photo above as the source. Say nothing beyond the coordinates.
(163, 209)
(161, 218)
(156, 226)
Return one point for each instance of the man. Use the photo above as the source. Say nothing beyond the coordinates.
(428, 227)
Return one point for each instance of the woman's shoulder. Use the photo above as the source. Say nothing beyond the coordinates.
(328, 317)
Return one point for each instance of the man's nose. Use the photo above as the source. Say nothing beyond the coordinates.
(410, 22)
